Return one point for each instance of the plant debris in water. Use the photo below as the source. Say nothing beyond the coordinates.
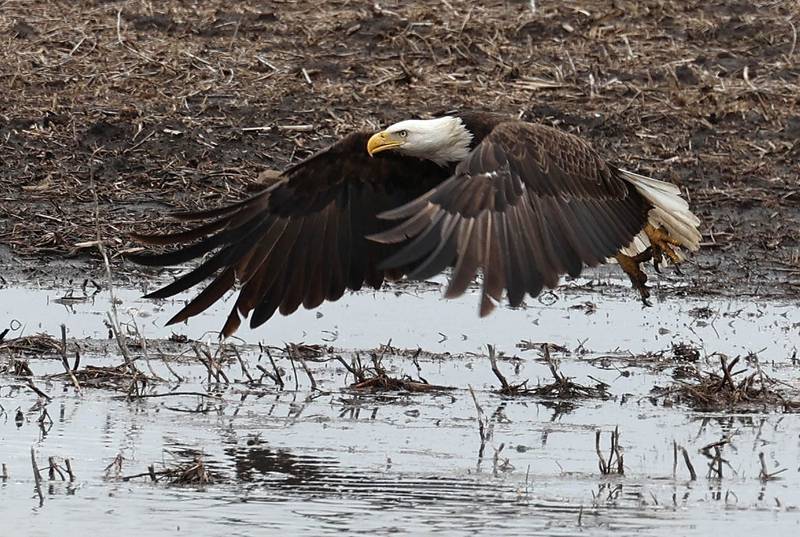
(374, 377)
(36, 345)
(726, 389)
(562, 387)
(191, 472)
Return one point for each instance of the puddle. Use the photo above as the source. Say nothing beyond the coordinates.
(413, 317)
(337, 461)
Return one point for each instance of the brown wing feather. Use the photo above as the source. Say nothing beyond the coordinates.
(300, 241)
(531, 203)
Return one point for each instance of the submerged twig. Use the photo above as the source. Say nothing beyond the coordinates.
(484, 429)
(38, 392)
(563, 387)
(64, 361)
(37, 477)
(764, 474)
(614, 464)
(689, 465)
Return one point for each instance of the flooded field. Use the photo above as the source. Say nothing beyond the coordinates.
(582, 413)
(244, 454)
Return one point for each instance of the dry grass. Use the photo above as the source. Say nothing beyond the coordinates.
(35, 345)
(191, 472)
(730, 389)
(185, 104)
(373, 376)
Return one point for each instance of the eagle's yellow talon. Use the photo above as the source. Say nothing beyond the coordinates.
(662, 245)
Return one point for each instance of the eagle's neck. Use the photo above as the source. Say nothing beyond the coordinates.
(454, 140)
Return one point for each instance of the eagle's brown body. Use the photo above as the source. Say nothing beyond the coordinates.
(528, 204)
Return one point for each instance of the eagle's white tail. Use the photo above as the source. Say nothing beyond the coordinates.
(669, 210)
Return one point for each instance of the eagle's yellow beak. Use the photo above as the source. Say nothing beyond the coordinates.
(383, 141)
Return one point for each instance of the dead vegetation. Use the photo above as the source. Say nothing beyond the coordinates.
(727, 388)
(38, 345)
(186, 105)
(562, 389)
(373, 377)
(615, 462)
(183, 472)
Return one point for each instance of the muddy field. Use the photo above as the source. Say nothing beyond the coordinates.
(381, 413)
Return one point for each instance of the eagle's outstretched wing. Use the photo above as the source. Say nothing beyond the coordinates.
(528, 204)
(300, 241)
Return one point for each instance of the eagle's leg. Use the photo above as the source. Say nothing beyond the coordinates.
(662, 245)
(630, 264)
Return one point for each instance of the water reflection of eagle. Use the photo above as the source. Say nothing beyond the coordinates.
(520, 203)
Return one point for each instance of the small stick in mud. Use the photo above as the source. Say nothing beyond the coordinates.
(715, 466)
(674, 459)
(170, 394)
(505, 387)
(64, 361)
(245, 372)
(115, 465)
(483, 425)
(764, 475)
(294, 374)
(45, 418)
(689, 466)
(292, 352)
(493, 360)
(415, 361)
(618, 452)
(277, 379)
(133, 387)
(497, 465)
(37, 477)
(274, 376)
(308, 372)
(39, 392)
(54, 469)
(214, 370)
(123, 347)
(601, 460)
(615, 457)
(143, 346)
(355, 368)
(71, 474)
(165, 361)
(727, 379)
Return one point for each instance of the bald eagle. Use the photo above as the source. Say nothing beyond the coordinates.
(521, 203)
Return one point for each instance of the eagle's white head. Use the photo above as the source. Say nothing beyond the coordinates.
(442, 140)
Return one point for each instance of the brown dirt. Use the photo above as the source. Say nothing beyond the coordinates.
(153, 101)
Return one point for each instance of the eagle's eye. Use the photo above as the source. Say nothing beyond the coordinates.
(403, 134)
